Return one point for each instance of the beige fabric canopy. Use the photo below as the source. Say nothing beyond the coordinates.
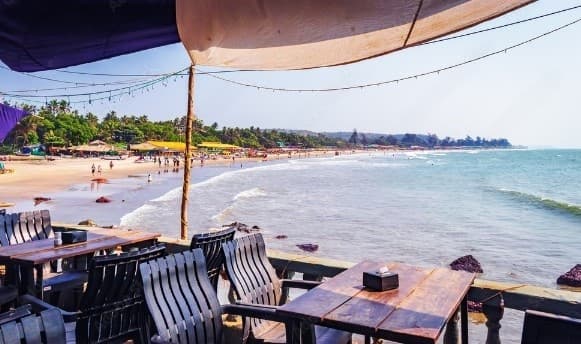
(284, 34)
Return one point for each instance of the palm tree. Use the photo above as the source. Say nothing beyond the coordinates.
(25, 128)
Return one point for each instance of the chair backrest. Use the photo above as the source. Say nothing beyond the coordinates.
(546, 328)
(211, 245)
(112, 305)
(15, 314)
(48, 327)
(252, 276)
(17, 228)
(181, 299)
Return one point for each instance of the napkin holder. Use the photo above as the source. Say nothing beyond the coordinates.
(381, 281)
(73, 237)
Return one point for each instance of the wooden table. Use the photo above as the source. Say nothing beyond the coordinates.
(32, 255)
(416, 312)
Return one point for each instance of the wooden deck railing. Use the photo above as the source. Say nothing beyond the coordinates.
(495, 294)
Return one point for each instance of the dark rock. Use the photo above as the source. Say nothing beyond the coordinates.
(109, 227)
(281, 236)
(467, 263)
(308, 247)
(103, 199)
(88, 222)
(38, 200)
(572, 278)
(242, 227)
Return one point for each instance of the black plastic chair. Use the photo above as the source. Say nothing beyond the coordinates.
(183, 303)
(48, 327)
(546, 328)
(112, 307)
(17, 228)
(255, 282)
(211, 245)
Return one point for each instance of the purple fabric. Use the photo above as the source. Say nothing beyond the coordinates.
(9, 116)
(48, 34)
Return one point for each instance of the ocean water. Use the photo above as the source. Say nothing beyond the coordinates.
(517, 211)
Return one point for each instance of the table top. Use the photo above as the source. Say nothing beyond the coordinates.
(42, 251)
(416, 312)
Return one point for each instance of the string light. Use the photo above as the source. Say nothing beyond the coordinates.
(415, 76)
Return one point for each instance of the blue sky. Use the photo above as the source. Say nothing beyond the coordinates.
(529, 95)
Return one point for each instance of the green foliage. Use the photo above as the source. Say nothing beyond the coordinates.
(57, 125)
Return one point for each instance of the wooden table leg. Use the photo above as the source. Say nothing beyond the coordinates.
(464, 319)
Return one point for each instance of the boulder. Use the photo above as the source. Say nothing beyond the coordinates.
(281, 236)
(308, 247)
(467, 263)
(38, 200)
(572, 278)
(242, 227)
(103, 199)
(87, 222)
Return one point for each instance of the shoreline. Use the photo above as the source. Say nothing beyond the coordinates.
(38, 177)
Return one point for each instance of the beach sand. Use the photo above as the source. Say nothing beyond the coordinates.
(35, 178)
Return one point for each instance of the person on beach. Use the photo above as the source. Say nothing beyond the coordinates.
(93, 170)
(111, 164)
(99, 169)
(149, 178)
(159, 161)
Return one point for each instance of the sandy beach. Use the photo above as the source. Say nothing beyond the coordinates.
(35, 178)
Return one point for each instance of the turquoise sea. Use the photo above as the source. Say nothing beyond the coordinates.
(517, 211)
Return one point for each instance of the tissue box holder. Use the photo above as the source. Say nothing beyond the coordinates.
(381, 282)
(73, 237)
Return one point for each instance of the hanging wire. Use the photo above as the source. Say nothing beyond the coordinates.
(121, 82)
(415, 76)
(108, 91)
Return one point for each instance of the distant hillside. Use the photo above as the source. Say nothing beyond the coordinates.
(405, 140)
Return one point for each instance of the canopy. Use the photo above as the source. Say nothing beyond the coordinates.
(48, 34)
(145, 146)
(168, 145)
(217, 145)
(39, 34)
(297, 34)
(9, 117)
(93, 148)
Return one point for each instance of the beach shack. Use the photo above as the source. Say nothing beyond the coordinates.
(93, 148)
(218, 148)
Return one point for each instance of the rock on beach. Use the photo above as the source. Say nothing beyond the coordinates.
(87, 222)
(308, 247)
(103, 199)
(572, 278)
(467, 263)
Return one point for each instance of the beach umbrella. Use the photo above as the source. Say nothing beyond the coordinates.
(254, 34)
(9, 117)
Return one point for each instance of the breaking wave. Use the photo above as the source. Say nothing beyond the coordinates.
(543, 202)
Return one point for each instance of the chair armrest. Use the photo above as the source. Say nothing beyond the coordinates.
(299, 284)
(39, 305)
(255, 311)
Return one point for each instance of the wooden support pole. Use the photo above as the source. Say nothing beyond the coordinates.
(188, 155)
